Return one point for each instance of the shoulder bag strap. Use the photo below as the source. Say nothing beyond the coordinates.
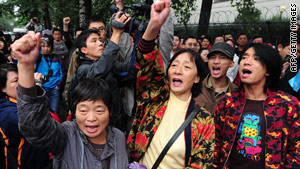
(175, 136)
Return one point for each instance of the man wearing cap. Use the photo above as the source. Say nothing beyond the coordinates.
(216, 84)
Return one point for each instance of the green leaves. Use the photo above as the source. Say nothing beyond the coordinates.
(183, 9)
(247, 12)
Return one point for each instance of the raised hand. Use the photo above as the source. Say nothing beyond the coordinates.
(159, 13)
(26, 49)
(119, 28)
(67, 20)
(120, 4)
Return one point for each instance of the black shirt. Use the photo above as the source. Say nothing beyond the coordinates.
(248, 151)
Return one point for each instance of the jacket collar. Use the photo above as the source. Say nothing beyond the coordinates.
(270, 95)
(109, 147)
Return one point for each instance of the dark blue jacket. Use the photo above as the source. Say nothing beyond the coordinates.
(31, 158)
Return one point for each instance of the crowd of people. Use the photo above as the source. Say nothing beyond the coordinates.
(147, 99)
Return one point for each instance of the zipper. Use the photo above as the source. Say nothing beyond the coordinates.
(265, 129)
(235, 134)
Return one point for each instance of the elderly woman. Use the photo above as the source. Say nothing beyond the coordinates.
(84, 143)
(163, 106)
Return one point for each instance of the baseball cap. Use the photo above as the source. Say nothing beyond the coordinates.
(222, 47)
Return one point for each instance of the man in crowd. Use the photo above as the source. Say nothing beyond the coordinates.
(227, 36)
(258, 126)
(97, 23)
(34, 25)
(96, 62)
(241, 41)
(190, 42)
(216, 84)
(219, 38)
(258, 39)
(176, 44)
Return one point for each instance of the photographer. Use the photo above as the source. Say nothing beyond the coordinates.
(34, 25)
(54, 72)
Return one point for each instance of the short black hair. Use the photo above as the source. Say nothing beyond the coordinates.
(243, 34)
(219, 35)
(189, 37)
(81, 40)
(197, 87)
(258, 36)
(4, 69)
(176, 34)
(231, 40)
(206, 37)
(56, 29)
(95, 18)
(92, 89)
(271, 59)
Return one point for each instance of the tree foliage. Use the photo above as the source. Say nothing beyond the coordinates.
(247, 12)
(23, 10)
(183, 9)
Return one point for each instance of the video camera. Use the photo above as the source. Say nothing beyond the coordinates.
(139, 13)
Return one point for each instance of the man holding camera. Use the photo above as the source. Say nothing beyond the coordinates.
(34, 25)
(52, 67)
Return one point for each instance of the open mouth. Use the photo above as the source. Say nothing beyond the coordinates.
(246, 72)
(177, 82)
(216, 70)
(92, 129)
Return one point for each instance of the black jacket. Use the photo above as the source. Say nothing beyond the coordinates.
(106, 67)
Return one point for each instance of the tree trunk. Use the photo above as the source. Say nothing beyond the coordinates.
(204, 17)
(47, 20)
(85, 9)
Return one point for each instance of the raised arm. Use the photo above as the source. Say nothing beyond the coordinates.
(26, 50)
(33, 106)
(159, 13)
(107, 60)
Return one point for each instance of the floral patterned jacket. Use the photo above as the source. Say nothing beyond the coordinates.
(152, 100)
(282, 129)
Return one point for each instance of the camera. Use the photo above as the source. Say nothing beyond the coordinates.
(45, 78)
(139, 13)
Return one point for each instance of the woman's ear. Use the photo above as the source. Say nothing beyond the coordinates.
(197, 79)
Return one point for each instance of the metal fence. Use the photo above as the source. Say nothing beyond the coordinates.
(271, 25)
(271, 31)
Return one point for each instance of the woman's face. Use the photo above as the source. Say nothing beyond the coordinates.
(92, 118)
(46, 48)
(182, 75)
(11, 84)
